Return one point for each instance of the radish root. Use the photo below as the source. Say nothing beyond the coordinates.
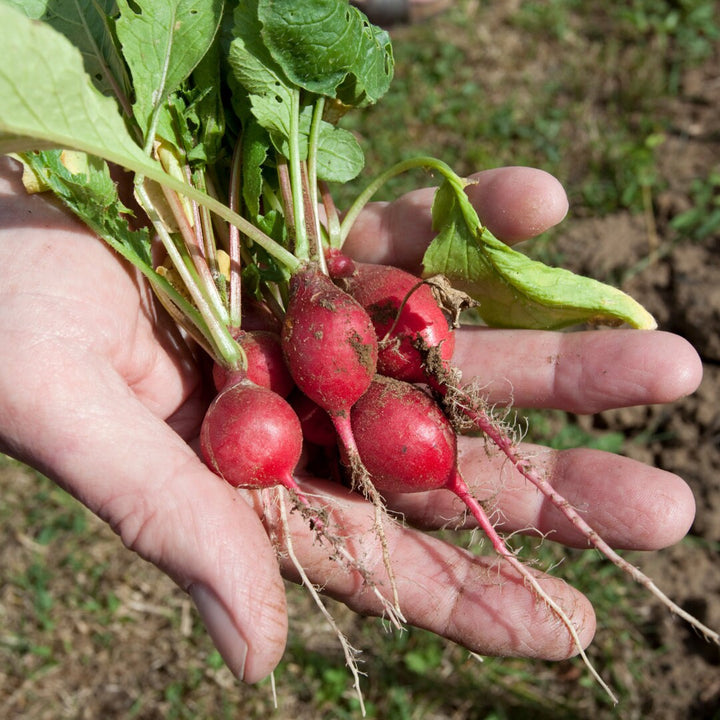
(348, 650)
(459, 402)
(362, 480)
(391, 610)
(459, 487)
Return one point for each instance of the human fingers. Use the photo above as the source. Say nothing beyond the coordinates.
(476, 601)
(583, 372)
(630, 504)
(516, 203)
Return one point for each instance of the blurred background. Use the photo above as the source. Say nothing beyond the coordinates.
(621, 101)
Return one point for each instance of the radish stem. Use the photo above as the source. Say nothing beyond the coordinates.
(218, 334)
(364, 197)
(313, 140)
(302, 250)
(235, 301)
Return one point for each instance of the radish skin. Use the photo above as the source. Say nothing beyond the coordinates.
(329, 342)
(397, 459)
(409, 324)
(330, 347)
(266, 364)
(251, 438)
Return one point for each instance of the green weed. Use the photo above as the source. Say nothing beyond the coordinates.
(689, 28)
(702, 219)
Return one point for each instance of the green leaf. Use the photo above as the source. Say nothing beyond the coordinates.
(254, 75)
(513, 290)
(339, 158)
(196, 120)
(163, 42)
(254, 153)
(84, 184)
(34, 9)
(328, 47)
(87, 25)
(48, 101)
(311, 41)
(206, 110)
(373, 71)
(273, 114)
(269, 92)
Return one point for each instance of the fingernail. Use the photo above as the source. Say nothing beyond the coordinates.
(224, 633)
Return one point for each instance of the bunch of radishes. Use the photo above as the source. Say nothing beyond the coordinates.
(364, 358)
(351, 353)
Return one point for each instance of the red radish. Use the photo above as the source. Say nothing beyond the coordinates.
(266, 365)
(338, 264)
(331, 350)
(415, 340)
(425, 458)
(404, 439)
(408, 445)
(251, 437)
(317, 428)
(330, 346)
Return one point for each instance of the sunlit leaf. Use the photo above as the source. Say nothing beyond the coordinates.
(513, 290)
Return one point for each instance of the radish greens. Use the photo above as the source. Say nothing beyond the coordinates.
(171, 90)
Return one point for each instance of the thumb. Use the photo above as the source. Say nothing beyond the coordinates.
(105, 447)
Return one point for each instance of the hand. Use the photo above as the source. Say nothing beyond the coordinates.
(97, 393)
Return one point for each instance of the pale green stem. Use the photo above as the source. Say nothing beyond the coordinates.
(411, 164)
(313, 141)
(296, 184)
(206, 236)
(204, 276)
(331, 214)
(283, 256)
(286, 201)
(271, 199)
(149, 168)
(234, 241)
(223, 343)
